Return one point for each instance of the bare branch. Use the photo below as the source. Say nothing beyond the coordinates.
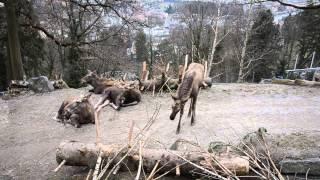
(308, 7)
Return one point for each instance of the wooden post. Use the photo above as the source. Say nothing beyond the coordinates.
(313, 55)
(144, 70)
(295, 64)
(168, 66)
(185, 66)
(97, 123)
(146, 77)
(206, 69)
(180, 73)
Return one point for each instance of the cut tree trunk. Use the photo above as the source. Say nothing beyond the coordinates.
(80, 154)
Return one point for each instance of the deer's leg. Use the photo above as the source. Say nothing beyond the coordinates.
(191, 104)
(99, 107)
(181, 114)
(193, 117)
(104, 100)
(117, 104)
(101, 100)
(116, 107)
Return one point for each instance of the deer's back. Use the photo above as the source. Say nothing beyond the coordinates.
(197, 71)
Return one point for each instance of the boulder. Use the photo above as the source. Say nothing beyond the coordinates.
(301, 166)
(290, 152)
(266, 81)
(40, 84)
(218, 147)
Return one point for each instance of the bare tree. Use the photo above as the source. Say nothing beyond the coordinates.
(216, 41)
(244, 47)
(197, 17)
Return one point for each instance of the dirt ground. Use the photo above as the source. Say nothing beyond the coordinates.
(29, 135)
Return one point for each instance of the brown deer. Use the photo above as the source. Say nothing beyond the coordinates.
(77, 110)
(188, 89)
(118, 97)
(98, 84)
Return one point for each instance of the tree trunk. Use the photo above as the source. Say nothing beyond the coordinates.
(80, 154)
(15, 68)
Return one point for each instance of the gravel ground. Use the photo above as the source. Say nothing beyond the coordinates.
(29, 135)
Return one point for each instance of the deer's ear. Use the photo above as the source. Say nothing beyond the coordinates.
(88, 71)
(174, 97)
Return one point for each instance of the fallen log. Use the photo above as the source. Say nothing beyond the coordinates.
(283, 81)
(302, 82)
(298, 82)
(80, 154)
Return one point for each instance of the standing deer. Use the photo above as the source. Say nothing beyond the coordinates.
(189, 88)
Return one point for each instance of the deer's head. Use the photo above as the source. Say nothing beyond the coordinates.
(90, 77)
(177, 105)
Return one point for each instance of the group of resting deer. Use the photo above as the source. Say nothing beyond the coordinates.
(81, 111)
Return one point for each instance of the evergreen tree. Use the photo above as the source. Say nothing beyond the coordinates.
(309, 41)
(141, 47)
(263, 45)
(289, 34)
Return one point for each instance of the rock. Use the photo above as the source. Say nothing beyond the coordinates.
(184, 145)
(291, 151)
(310, 165)
(266, 81)
(217, 147)
(40, 84)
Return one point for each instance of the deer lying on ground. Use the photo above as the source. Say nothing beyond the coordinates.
(77, 110)
(118, 97)
(98, 84)
(188, 89)
(149, 85)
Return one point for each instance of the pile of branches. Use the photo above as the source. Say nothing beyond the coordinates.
(142, 162)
